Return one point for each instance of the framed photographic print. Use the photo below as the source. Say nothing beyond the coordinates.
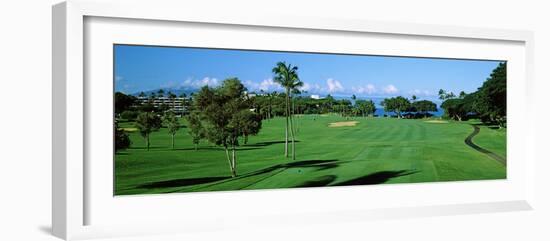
(181, 116)
(294, 119)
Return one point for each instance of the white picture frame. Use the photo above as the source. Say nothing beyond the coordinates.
(72, 190)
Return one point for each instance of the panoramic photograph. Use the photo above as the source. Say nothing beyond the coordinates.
(192, 119)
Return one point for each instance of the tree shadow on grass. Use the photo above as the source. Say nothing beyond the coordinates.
(184, 182)
(321, 181)
(216, 148)
(317, 164)
(375, 178)
(268, 143)
(152, 148)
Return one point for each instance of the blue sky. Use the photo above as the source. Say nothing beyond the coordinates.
(143, 68)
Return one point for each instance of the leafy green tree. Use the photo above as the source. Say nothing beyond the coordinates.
(365, 107)
(287, 76)
(344, 107)
(370, 108)
(171, 95)
(401, 105)
(455, 108)
(172, 124)
(397, 104)
(147, 107)
(123, 102)
(424, 106)
(491, 97)
(129, 115)
(148, 122)
(162, 108)
(224, 116)
(196, 130)
(122, 140)
(247, 123)
(385, 105)
(444, 95)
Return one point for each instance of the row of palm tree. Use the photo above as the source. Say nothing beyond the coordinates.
(287, 76)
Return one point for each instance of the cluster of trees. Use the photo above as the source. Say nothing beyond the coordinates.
(122, 140)
(273, 104)
(400, 105)
(364, 108)
(488, 103)
(147, 118)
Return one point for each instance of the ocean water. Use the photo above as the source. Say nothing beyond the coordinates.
(380, 112)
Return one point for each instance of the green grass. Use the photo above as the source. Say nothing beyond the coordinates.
(492, 138)
(375, 151)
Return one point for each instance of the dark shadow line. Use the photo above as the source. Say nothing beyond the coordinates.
(468, 141)
(318, 164)
(376, 178)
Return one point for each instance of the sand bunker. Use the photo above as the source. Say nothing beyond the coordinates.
(129, 129)
(343, 123)
(437, 121)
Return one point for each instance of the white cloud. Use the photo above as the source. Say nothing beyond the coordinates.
(118, 78)
(199, 83)
(312, 88)
(269, 85)
(367, 89)
(266, 85)
(334, 86)
(390, 89)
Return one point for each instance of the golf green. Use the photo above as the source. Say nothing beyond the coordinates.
(329, 152)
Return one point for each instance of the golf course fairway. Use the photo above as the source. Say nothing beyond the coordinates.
(330, 151)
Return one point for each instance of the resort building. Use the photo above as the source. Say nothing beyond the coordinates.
(176, 104)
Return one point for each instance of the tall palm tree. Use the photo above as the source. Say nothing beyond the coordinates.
(287, 76)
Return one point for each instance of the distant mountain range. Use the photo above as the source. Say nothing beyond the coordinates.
(188, 91)
(176, 91)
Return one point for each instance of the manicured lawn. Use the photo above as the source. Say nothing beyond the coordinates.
(492, 139)
(374, 151)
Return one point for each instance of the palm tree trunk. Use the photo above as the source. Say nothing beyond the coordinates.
(286, 125)
(292, 136)
(292, 120)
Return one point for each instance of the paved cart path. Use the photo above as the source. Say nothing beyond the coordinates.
(491, 154)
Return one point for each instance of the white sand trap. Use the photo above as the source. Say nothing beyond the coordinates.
(437, 121)
(129, 129)
(343, 123)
